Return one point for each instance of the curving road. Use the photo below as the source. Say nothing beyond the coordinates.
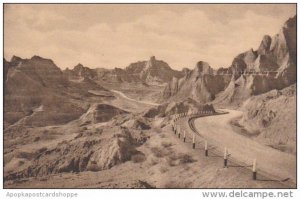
(218, 131)
(142, 102)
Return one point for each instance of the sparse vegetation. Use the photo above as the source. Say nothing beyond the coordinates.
(163, 169)
(36, 139)
(137, 158)
(158, 152)
(153, 161)
(166, 144)
(175, 159)
(186, 159)
(157, 130)
(177, 184)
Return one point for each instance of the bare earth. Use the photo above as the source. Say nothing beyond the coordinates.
(218, 131)
(168, 163)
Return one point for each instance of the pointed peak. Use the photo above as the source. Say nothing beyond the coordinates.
(152, 58)
(251, 52)
(266, 37)
(201, 64)
(36, 57)
(15, 59)
(203, 67)
(39, 58)
(151, 61)
(186, 70)
(79, 65)
(291, 22)
(264, 45)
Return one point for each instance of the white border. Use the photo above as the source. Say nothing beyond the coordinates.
(129, 193)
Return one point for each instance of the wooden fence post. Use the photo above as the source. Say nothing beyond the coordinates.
(194, 144)
(206, 150)
(225, 157)
(254, 170)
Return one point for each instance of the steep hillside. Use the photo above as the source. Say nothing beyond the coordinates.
(79, 71)
(271, 66)
(272, 118)
(37, 93)
(186, 106)
(199, 84)
(157, 72)
(152, 72)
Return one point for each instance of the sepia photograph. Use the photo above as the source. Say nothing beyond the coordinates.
(149, 96)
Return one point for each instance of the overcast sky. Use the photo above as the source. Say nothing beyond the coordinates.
(117, 35)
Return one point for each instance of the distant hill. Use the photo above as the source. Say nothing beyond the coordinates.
(271, 66)
(150, 72)
(38, 84)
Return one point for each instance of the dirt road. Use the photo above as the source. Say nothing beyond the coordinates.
(218, 131)
(137, 101)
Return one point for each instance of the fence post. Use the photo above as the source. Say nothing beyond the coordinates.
(179, 133)
(254, 170)
(194, 144)
(206, 150)
(225, 157)
(183, 136)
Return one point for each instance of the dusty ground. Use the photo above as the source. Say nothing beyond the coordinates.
(162, 161)
(169, 163)
(137, 91)
(272, 116)
(218, 131)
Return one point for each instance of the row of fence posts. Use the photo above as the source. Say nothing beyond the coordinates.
(226, 154)
(177, 116)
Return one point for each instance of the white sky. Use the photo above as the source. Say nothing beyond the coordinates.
(116, 35)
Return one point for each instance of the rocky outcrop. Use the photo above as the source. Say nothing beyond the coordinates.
(274, 54)
(157, 72)
(274, 61)
(271, 66)
(199, 84)
(80, 71)
(265, 45)
(98, 113)
(44, 71)
(273, 124)
(137, 123)
(38, 82)
(88, 151)
(186, 106)
(151, 72)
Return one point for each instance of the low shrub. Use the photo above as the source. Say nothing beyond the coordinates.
(137, 158)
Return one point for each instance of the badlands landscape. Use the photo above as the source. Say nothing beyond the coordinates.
(113, 128)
